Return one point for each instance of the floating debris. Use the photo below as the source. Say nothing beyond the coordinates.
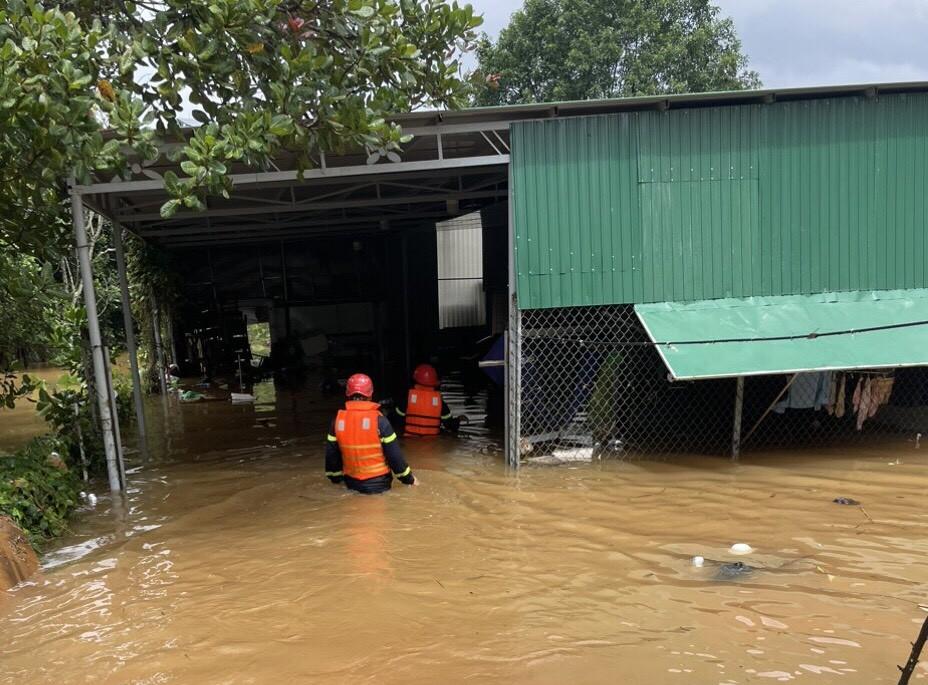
(735, 569)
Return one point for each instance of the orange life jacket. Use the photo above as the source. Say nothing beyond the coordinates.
(359, 441)
(423, 411)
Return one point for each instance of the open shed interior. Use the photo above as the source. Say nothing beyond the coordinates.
(376, 299)
(362, 263)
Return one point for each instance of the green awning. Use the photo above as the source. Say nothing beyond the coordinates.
(788, 334)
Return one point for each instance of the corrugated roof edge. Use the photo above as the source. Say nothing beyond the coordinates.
(574, 108)
(680, 101)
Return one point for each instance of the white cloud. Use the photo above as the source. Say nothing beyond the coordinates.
(806, 42)
(812, 42)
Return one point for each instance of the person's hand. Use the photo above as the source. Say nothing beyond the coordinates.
(415, 481)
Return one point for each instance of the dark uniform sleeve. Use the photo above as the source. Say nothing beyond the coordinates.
(333, 457)
(399, 416)
(393, 453)
(448, 422)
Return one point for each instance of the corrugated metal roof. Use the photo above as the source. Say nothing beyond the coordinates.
(795, 197)
(676, 101)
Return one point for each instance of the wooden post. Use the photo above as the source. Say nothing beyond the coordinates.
(736, 425)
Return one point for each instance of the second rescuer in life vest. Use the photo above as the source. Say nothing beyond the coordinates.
(426, 412)
(362, 450)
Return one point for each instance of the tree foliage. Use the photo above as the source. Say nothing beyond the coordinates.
(29, 297)
(37, 492)
(84, 85)
(555, 50)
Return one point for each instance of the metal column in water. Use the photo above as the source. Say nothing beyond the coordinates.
(96, 343)
(513, 355)
(159, 348)
(130, 330)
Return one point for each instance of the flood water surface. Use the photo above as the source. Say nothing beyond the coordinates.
(19, 425)
(234, 561)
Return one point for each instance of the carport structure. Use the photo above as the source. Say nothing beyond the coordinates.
(457, 162)
(601, 220)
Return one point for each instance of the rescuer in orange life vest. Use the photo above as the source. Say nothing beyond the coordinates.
(362, 450)
(426, 413)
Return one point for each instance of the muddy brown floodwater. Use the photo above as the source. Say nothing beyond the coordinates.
(19, 425)
(234, 561)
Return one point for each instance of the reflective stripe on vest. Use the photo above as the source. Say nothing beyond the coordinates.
(423, 411)
(359, 441)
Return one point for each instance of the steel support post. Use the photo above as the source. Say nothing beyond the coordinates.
(114, 412)
(129, 325)
(513, 383)
(96, 344)
(170, 327)
(406, 341)
(159, 348)
(286, 289)
(512, 352)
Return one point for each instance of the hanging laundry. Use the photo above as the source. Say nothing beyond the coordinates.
(809, 391)
(832, 393)
(881, 389)
(862, 400)
(840, 395)
(869, 395)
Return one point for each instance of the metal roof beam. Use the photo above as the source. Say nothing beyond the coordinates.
(275, 226)
(264, 177)
(453, 129)
(311, 206)
(350, 228)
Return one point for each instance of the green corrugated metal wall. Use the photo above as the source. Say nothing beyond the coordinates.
(785, 198)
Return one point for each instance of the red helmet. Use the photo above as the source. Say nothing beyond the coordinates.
(360, 384)
(425, 374)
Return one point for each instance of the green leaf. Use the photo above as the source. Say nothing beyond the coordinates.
(365, 12)
(169, 208)
(281, 125)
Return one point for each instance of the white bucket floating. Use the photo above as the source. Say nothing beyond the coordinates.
(741, 548)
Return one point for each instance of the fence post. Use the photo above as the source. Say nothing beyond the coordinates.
(513, 343)
(736, 427)
(513, 356)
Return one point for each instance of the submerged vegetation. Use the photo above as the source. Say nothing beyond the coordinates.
(38, 491)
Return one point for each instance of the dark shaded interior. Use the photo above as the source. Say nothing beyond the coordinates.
(338, 303)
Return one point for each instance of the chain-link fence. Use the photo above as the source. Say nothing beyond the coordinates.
(591, 385)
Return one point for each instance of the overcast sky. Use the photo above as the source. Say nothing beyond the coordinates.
(812, 42)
